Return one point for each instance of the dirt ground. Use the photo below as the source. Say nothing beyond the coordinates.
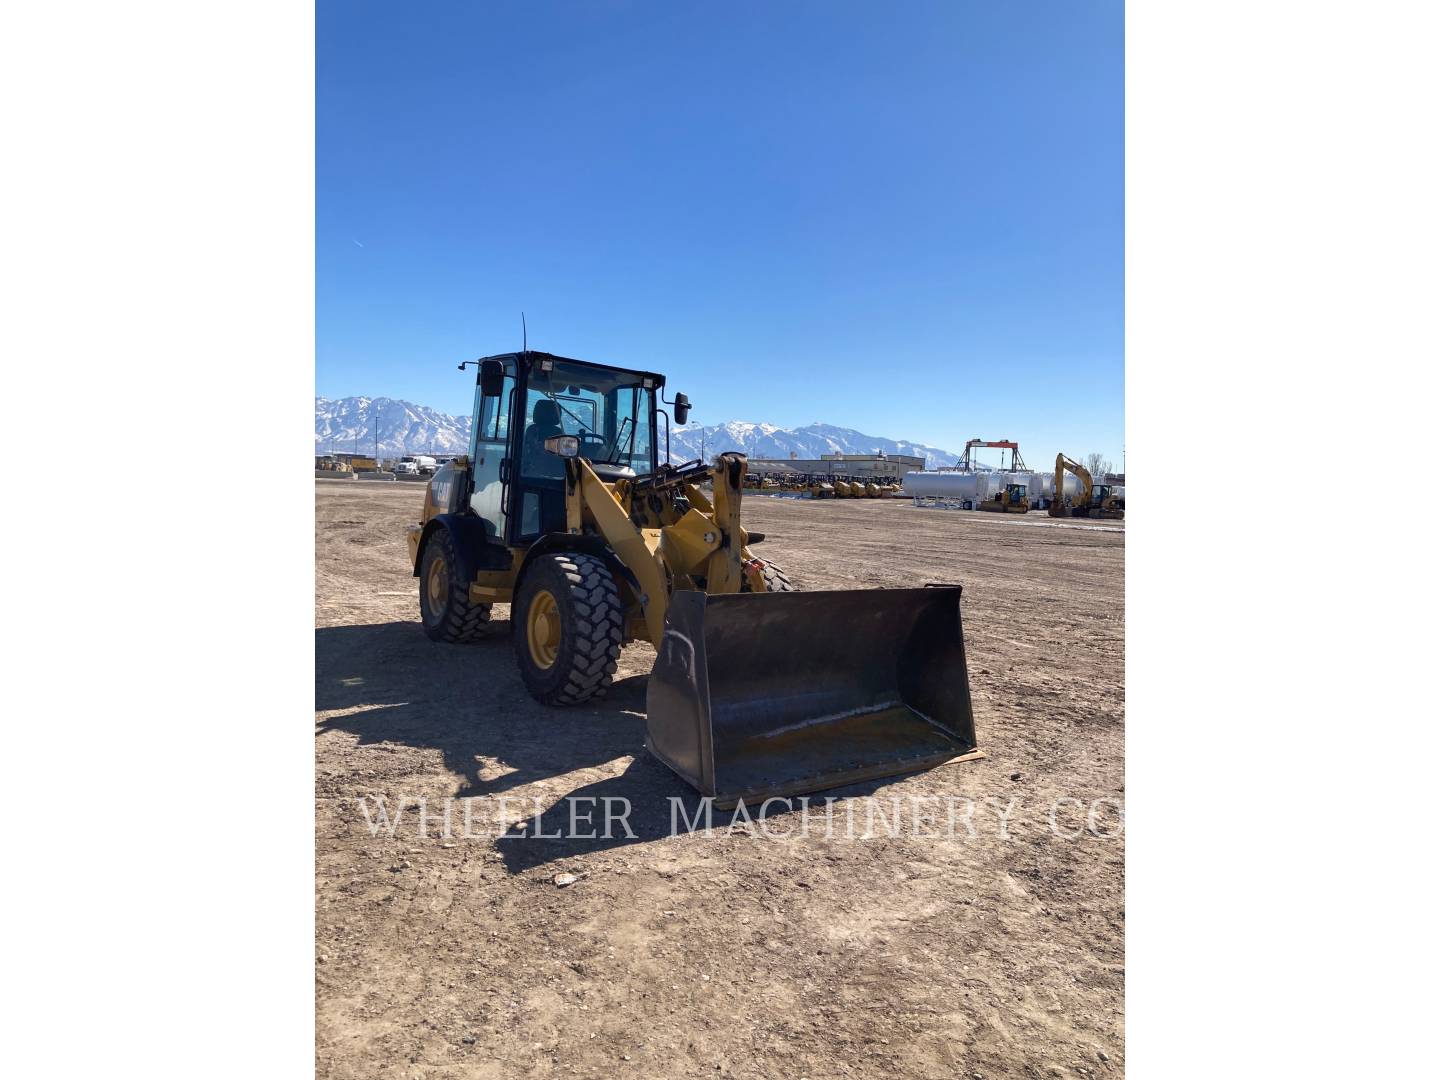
(908, 949)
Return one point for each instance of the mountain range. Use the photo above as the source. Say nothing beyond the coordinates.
(350, 425)
(810, 441)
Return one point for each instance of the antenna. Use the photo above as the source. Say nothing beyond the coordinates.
(524, 334)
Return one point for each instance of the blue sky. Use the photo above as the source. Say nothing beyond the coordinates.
(905, 218)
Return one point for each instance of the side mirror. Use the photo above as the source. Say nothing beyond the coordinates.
(492, 378)
(682, 409)
(563, 445)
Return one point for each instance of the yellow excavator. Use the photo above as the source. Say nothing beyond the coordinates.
(1078, 506)
(1012, 500)
(567, 509)
(1094, 500)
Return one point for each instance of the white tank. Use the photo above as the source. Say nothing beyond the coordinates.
(1045, 484)
(945, 485)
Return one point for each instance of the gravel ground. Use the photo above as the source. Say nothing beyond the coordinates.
(911, 949)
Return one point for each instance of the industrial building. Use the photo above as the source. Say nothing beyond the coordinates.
(880, 465)
(358, 462)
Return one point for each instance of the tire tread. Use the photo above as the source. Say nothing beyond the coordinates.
(598, 623)
(464, 622)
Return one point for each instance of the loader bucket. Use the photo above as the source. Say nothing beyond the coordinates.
(757, 695)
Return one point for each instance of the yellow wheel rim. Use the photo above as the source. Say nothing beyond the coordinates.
(437, 586)
(542, 629)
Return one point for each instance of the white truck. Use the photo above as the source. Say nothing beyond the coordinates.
(418, 465)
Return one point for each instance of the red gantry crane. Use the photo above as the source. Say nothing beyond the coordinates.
(1017, 463)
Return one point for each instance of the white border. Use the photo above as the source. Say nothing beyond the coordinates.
(1281, 306)
(158, 280)
(1281, 246)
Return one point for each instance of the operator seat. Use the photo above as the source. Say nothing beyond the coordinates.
(541, 488)
(544, 423)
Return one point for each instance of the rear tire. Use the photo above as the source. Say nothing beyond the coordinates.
(567, 624)
(775, 579)
(446, 612)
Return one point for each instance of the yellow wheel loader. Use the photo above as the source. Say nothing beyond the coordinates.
(567, 508)
(1012, 500)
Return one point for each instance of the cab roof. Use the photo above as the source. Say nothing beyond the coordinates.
(531, 356)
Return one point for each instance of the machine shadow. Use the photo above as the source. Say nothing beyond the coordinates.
(655, 805)
(392, 684)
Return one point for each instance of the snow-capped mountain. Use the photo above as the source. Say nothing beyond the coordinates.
(349, 425)
(810, 441)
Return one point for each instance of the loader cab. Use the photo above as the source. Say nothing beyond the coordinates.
(519, 486)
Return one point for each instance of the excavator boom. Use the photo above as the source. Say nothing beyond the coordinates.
(1080, 506)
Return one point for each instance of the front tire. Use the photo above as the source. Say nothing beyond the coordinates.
(775, 579)
(446, 612)
(567, 623)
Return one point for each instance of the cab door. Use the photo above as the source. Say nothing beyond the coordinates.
(489, 441)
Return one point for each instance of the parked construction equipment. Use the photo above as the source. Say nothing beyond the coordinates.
(1009, 500)
(1093, 500)
(563, 510)
(1079, 506)
(1105, 502)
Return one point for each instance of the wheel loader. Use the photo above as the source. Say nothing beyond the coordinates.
(567, 508)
